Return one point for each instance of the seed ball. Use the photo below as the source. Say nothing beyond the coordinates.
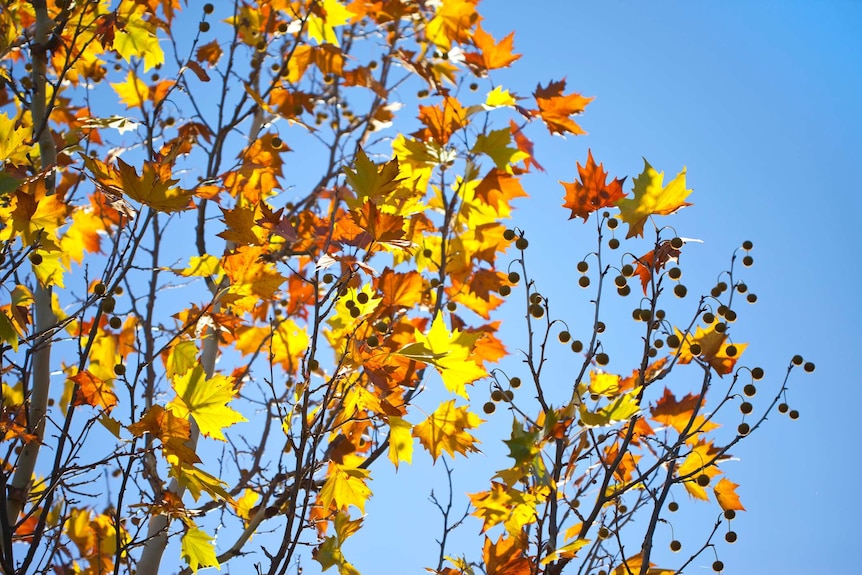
(680, 290)
(120, 369)
(514, 277)
(613, 223)
(794, 414)
(473, 86)
(673, 341)
(730, 537)
(604, 532)
(99, 289)
(673, 506)
(674, 273)
(730, 315)
(675, 546)
(703, 480)
(515, 382)
(722, 286)
(743, 429)
(749, 390)
(747, 245)
(577, 346)
(721, 327)
(620, 281)
(730, 514)
(748, 261)
(584, 281)
(809, 367)
(497, 395)
(741, 287)
(373, 341)
(627, 270)
(797, 360)
(695, 349)
(746, 407)
(564, 336)
(537, 311)
(522, 243)
(115, 322)
(208, 8)
(489, 407)
(328, 278)
(108, 304)
(204, 27)
(751, 298)
(35, 259)
(676, 243)
(600, 327)
(504, 290)
(510, 395)
(717, 566)
(602, 358)
(276, 142)
(613, 243)
(535, 298)
(783, 408)
(509, 235)
(730, 350)
(362, 298)
(624, 291)
(451, 306)
(354, 312)
(583, 266)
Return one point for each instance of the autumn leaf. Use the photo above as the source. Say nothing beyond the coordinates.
(592, 192)
(198, 550)
(400, 440)
(633, 565)
(556, 108)
(93, 391)
(699, 461)
(725, 494)
(137, 37)
(447, 352)
(653, 261)
(368, 180)
(713, 348)
(677, 414)
(133, 92)
(620, 409)
(491, 54)
(171, 430)
(206, 400)
(345, 485)
(447, 430)
(505, 557)
(652, 198)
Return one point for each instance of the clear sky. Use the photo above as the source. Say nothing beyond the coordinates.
(761, 102)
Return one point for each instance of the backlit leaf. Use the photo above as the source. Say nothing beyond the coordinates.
(652, 198)
(447, 430)
(198, 550)
(592, 192)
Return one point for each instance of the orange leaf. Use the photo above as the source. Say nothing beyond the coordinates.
(651, 262)
(725, 493)
(441, 121)
(93, 391)
(555, 108)
(209, 53)
(505, 557)
(592, 192)
(491, 55)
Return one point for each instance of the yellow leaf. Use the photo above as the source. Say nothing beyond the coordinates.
(206, 400)
(698, 462)
(345, 486)
(725, 493)
(12, 138)
(452, 359)
(198, 550)
(322, 30)
(495, 145)
(197, 481)
(154, 187)
(498, 97)
(607, 384)
(245, 502)
(137, 37)
(203, 266)
(400, 440)
(446, 430)
(133, 92)
(620, 409)
(651, 198)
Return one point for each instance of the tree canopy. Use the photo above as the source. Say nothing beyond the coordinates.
(252, 252)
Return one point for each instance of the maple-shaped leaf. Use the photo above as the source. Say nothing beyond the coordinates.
(198, 481)
(525, 145)
(209, 53)
(713, 348)
(93, 391)
(677, 414)
(252, 278)
(171, 430)
(154, 187)
(448, 353)
(198, 550)
(368, 180)
(652, 198)
(452, 23)
(505, 557)
(491, 54)
(137, 36)
(206, 400)
(442, 121)
(345, 485)
(329, 554)
(620, 409)
(495, 144)
(699, 461)
(725, 494)
(653, 261)
(592, 192)
(133, 92)
(556, 108)
(447, 430)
